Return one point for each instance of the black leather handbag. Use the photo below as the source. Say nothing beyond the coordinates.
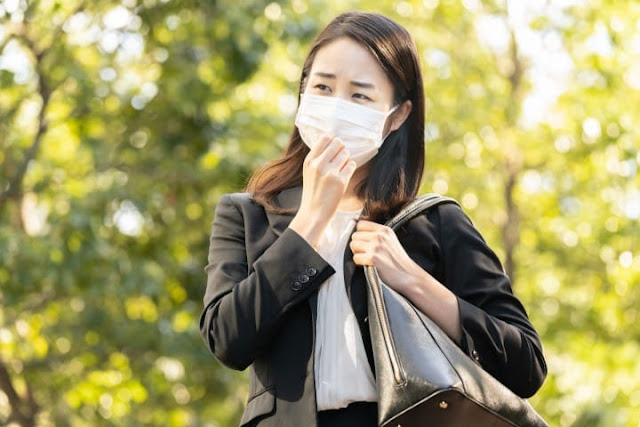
(423, 378)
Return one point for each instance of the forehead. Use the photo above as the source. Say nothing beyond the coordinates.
(347, 58)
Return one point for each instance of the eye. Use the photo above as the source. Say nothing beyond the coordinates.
(361, 97)
(322, 88)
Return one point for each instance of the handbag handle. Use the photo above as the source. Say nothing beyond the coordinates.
(409, 212)
(416, 207)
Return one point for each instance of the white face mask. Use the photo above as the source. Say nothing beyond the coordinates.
(360, 128)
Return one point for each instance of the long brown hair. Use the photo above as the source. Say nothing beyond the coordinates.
(395, 172)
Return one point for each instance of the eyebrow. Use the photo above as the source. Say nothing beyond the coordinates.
(353, 82)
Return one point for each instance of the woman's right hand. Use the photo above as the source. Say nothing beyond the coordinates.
(326, 173)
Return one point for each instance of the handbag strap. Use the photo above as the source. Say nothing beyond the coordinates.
(374, 281)
(416, 207)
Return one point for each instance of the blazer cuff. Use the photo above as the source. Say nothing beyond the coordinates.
(468, 322)
(293, 268)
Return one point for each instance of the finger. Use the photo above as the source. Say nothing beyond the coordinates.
(364, 225)
(358, 247)
(362, 236)
(334, 147)
(362, 259)
(348, 168)
(320, 146)
(341, 157)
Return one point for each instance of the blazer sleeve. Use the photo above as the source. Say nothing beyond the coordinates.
(244, 304)
(496, 330)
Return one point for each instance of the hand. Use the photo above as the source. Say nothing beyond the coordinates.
(326, 172)
(377, 245)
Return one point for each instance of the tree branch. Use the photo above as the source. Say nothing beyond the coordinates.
(5, 42)
(15, 184)
(11, 317)
(22, 412)
(14, 187)
(6, 117)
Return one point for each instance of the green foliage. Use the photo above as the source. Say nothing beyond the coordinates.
(152, 109)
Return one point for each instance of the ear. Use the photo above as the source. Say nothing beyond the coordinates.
(400, 115)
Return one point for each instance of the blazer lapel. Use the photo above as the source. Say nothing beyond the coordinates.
(286, 199)
(290, 199)
(349, 266)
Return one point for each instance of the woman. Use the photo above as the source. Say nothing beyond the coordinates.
(286, 294)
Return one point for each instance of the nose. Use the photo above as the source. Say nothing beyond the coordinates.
(342, 94)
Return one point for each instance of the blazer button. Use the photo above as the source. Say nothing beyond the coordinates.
(296, 286)
(475, 355)
(311, 271)
(304, 278)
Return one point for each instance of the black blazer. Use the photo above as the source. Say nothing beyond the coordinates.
(260, 303)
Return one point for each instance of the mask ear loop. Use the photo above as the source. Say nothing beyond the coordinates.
(389, 113)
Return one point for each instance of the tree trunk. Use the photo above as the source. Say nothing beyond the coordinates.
(513, 165)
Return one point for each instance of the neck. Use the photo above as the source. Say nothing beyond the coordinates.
(350, 200)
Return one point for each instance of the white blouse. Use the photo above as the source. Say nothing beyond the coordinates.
(342, 372)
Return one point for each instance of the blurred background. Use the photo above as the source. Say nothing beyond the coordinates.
(122, 123)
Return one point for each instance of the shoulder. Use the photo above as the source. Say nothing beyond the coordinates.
(235, 206)
(456, 234)
(447, 214)
(237, 201)
(445, 224)
(456, 227)
(452, 217)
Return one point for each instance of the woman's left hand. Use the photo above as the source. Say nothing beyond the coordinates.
(377, 245)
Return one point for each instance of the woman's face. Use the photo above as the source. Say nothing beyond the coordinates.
(344, 68)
